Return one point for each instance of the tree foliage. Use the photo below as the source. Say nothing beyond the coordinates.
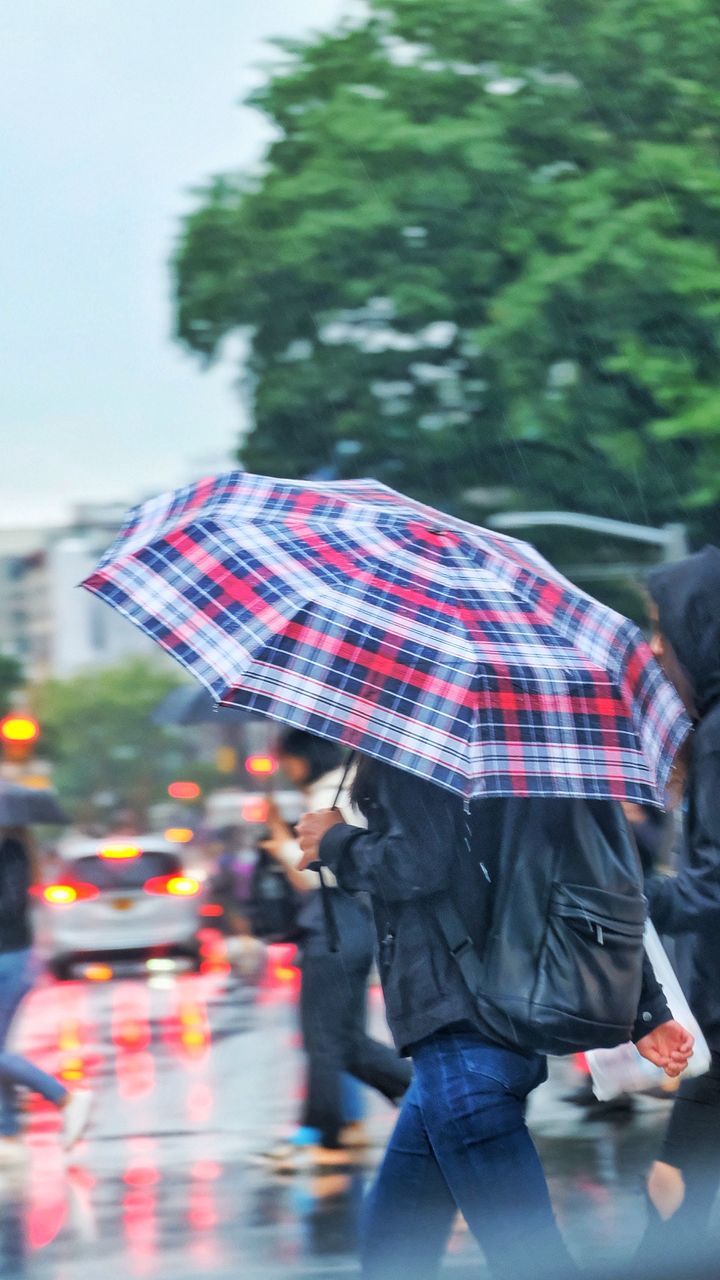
(11, 678)
(97, 730)
(482, 251)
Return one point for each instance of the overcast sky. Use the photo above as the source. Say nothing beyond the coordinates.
(110, 113)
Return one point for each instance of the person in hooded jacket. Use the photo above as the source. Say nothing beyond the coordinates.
(685, 613)
(461, 1141)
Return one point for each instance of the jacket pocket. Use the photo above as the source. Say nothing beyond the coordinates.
(590, 966)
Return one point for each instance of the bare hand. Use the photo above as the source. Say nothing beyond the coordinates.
(669, 1046)
(271, 846)
(310, 830)
(633, 812)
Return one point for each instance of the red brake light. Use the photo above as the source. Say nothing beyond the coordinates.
(184, 791)
(61, 895)
(175, 886)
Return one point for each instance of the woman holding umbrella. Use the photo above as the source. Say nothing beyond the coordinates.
(509, 713)
(17, 874)
(461, 1141)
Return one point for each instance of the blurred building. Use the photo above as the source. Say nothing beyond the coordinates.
(22, 592)
(46, 621)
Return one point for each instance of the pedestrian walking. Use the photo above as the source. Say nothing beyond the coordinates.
(17, 865)
(333, 992)
(461, 1141)
(229, 887)
(684, 1181)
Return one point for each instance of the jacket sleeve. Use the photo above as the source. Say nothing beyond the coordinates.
(653, 1008)
(410, 855)
(691, 900)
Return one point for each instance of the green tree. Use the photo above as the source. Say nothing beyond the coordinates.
(11, 678)
(482, 252)
(106, 752)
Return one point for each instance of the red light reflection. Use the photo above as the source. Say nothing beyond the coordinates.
(199, 1102)
(47, 1207)
(202, 1214)
(139, 1215)
(139, 1204)
(141, 1177)
(135, 1075)
(130, 1025)
(216, 966)
(281, 977)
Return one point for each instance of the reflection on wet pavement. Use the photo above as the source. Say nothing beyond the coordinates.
(193, 1075)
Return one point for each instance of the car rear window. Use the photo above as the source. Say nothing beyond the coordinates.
(125, 873)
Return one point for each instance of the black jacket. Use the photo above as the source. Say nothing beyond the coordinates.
(688, 598)
(15, 931)
(413, 849)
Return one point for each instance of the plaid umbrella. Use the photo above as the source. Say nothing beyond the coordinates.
(453, 652)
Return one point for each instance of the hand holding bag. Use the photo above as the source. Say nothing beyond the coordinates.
(623, 1069)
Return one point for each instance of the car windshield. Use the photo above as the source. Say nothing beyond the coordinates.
(125, 873)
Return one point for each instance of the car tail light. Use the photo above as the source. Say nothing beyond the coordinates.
(61, 895)
(175, 886)
(261, 766)
(179, 835)
(255, 811)
(120, 851)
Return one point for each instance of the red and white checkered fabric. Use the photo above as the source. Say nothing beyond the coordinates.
(448, 650)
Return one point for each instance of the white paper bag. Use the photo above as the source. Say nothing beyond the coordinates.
(623, 1069)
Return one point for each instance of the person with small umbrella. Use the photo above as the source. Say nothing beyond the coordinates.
(18, 868)
(333, 992)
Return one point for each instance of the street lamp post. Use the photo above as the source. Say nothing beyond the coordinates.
(671, 538)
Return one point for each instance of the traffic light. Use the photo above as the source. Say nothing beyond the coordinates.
(261, 766)
(18, 735)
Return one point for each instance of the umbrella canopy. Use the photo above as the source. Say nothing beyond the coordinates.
(448, 650)
(189, 705)
(23, 806)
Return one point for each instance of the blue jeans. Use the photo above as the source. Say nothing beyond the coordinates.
(461, 1142)
(16, 980)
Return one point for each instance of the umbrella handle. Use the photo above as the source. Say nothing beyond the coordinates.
(341, 785)
(331, 929)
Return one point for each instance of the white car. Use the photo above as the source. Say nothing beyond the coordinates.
(123, 896)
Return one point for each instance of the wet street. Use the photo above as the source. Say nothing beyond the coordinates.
(195, 1074)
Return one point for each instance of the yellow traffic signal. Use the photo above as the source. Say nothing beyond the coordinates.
(18, 736)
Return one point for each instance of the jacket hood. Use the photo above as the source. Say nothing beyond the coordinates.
(687, 595)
